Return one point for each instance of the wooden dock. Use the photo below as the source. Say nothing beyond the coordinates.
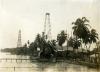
(16, 60)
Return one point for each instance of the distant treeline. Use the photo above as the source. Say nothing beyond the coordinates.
(17, 51)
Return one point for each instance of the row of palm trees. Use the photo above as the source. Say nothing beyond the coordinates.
(83, 36)
(83, 32)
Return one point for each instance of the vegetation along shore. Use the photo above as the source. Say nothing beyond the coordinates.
(74, 48)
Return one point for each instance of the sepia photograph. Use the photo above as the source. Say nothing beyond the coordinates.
(49, 35)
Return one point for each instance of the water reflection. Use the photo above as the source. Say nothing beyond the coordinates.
(29, 66)
(63, 67)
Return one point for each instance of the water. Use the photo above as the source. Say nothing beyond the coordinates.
(28, 66)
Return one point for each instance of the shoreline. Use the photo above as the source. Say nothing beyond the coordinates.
(54, 60)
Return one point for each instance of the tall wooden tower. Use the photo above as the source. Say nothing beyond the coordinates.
(47, 26)
(19, 43)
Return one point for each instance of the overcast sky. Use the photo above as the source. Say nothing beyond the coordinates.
(29, 15)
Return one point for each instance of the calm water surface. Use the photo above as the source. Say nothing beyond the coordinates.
(28, 66)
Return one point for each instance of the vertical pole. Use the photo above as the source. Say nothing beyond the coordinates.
(14, 68)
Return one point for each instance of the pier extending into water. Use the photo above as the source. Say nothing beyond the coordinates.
(15, 60)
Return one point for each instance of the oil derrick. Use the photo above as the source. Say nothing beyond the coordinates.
(19, 43)
(47, 27)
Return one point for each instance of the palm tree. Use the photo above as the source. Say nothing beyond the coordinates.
(93, 37)
(46, 47)
(33, 47)
(70, 42)
(81, 30)
(61, 38)
(38, 39)
(81, 27)
(75, 43)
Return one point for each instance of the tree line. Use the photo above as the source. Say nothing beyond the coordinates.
(83, 36)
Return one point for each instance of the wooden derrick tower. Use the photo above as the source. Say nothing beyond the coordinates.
(19, 43)
(47, 26)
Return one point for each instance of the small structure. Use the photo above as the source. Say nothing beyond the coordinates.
(95, 58)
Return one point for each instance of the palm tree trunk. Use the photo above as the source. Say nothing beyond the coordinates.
(89, 51)
(81, 48)
(89, 47)
(86, 47)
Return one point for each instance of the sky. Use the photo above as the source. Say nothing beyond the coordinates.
(29, 16)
